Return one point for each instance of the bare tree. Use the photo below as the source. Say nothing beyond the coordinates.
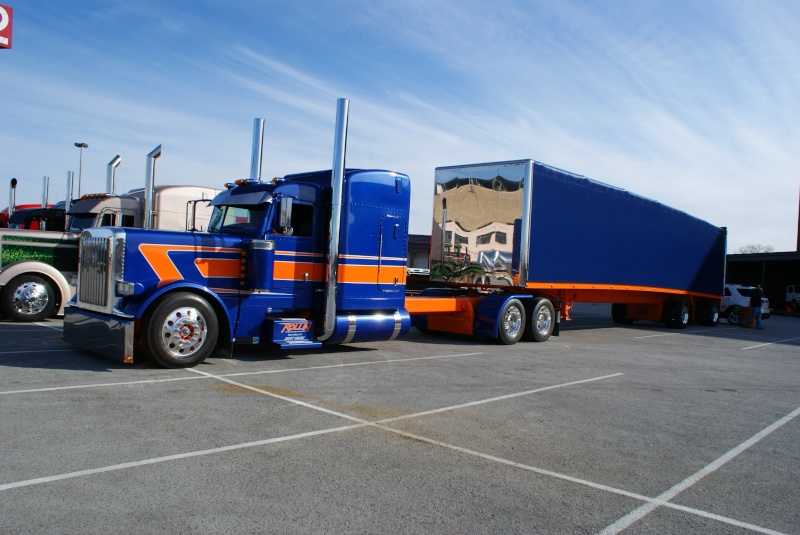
(754, 248)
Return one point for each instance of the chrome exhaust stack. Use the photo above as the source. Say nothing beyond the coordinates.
(111, 174)
(337, 184)
(12, 197)
(68, 202)
(45, 190)
(258, 149)
(149, 186)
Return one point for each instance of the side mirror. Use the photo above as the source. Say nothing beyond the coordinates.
(285, 215)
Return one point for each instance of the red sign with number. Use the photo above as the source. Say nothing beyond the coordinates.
(5, 26)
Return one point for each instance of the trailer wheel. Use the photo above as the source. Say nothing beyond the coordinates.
(541, 322)
(679, 316)
(707, 313)
(182, 331)
(512, 322)
(28, 298)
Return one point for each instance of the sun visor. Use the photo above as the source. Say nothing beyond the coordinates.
(241, 197)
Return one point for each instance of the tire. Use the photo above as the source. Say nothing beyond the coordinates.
(732, 314)
(542, 321)
(680, 315)
(794, 306)
(28, 298)
(512, 322)
(182, 331)
(707, 313)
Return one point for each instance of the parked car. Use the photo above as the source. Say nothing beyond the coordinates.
(736, 297)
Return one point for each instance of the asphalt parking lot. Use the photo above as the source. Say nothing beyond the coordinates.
(605, 429)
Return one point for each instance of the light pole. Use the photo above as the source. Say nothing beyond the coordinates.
(81, 146)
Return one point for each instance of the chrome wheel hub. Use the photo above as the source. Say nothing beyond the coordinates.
(512, 322)
(543, 320)
(184, 332)
(30, 298)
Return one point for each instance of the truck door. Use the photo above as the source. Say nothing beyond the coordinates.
(299, 262)
(393, 252)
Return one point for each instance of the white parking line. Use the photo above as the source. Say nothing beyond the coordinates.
(665, 497)
(653, 503)
(650, 503)
(144, 462)
(771, 343)
(34, 351)
(654, 335)
(176, 457)
(239, 374)
(47, 325)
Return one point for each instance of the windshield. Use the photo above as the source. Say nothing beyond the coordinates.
(79, 222)
(237, 219)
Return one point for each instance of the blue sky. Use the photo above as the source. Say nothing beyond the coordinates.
(694, 104)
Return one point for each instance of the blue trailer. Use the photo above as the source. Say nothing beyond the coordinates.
(556, 238)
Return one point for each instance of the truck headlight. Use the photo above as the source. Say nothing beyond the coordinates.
(125, 288)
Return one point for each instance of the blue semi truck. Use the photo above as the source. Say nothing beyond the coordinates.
(320, 258)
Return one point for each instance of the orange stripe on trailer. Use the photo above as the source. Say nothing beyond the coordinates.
(219, 267)
(613, 288)
(355, 274)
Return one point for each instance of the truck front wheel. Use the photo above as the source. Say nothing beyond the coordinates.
(28, 298)
(181, 332)
(512, 322)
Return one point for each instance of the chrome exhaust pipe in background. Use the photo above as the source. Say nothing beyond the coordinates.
(68, 202)
(45, 190)
(111, 174)
(12, 197)
(149, 186)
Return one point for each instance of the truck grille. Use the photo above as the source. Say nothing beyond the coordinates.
(97, 270)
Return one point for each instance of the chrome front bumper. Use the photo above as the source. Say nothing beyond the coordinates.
(99, 333)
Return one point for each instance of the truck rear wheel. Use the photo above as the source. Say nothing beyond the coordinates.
(28, 298)
(542, 321)
(512, 322)
(182, 331)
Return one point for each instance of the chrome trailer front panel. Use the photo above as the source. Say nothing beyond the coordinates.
(480, 212)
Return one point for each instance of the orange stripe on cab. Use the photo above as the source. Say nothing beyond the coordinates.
(297, 271)
(157, 255)
(355, 274)
(219, 267)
